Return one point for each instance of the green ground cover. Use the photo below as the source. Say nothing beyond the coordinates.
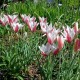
(21, 59)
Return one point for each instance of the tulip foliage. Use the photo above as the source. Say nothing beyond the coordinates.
(55, 37)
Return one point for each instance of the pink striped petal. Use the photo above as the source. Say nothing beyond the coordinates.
(77, 45)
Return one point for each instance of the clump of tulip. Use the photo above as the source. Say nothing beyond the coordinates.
(58, 36)
(55, 37)
(30, 21)
(11, 20)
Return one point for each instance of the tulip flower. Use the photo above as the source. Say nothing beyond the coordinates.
(68, 34)
(48, 48)
(16, 26)
(45, 49)
(24, 17)
(52, 35)
(43, 24)
(12, 18)
(75, 27)
(43, 19)
(47, 28)
(55, 49)
(3, 20)
(60, 41)
(32, 25)
(43, 27)
(77, 45)
(30, 22)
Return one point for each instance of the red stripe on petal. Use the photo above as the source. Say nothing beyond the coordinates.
(56, 51)
(16, 29)
(60, 42)
(44, 54)
(77, 45)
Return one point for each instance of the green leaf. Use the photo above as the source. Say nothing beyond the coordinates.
(20, 78)
(2, 65)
